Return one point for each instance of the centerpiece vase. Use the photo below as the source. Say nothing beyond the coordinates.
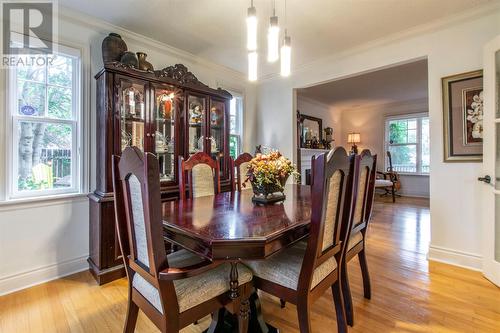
(269, 193)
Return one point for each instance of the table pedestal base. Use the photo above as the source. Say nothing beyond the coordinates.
(256, 323)
(230, 325)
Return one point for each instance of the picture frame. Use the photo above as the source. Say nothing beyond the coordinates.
(462, 117)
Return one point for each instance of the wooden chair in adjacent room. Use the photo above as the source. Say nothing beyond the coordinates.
(357, 241)
(172, 290)
(198, 176)
(389, 180)
(303, 272)
(239, 169)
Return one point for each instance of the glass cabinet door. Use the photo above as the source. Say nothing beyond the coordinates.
(132, 108)
(196, 132)
(167, 101)
(217, 124)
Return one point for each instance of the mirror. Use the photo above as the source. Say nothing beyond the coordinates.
(310, 130)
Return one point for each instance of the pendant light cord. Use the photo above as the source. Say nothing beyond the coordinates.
(286, 22)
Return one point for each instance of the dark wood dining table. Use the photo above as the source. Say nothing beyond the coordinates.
(230, 227)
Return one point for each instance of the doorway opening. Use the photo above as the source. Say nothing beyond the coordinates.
(386, 111)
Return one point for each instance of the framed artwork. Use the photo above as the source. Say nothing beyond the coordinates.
(463, 117)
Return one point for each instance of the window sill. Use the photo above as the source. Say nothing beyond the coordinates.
(41, 201)
(413, 174)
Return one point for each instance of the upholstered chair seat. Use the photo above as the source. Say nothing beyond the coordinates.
(283, 268)
(194, 290)
(383, 183)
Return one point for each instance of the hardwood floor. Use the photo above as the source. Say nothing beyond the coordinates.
(409, 294)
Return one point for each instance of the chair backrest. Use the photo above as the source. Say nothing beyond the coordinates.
(240, 164)
(199, 175)
(365, 186)
(332, 192)
(139, 218)
(389, 158)
(370, 193)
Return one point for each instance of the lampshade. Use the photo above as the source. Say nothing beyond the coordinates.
(353, 138)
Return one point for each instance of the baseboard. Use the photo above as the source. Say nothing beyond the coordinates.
(40, 275)
(457, 258)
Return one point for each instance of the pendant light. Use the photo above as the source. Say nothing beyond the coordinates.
(252, 28)
(286, 52)
(273, 37)
(252, 65)
(286, 56)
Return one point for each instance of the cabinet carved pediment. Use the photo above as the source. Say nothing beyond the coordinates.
(180, 73)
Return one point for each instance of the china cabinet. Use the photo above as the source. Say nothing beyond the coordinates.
(169, 113)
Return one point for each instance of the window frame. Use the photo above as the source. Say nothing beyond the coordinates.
(418, 144)
(239, 99)
(76, 123)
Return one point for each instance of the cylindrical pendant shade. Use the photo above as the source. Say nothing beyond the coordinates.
(252, 29)
(252, 66)
(286, 56)
(273, 36)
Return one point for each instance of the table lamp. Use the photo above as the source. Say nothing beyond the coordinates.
(354, 138)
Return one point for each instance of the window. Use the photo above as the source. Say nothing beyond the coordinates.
(407, 138)
(235, 125)
(44, 108)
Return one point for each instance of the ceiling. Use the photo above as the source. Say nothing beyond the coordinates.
(215, 29)
(401, 83)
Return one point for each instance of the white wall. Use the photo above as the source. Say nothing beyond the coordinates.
(369, 120)
(43, 240)
(455, 233)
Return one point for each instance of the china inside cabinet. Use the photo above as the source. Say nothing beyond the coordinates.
(218, 133)
(132, 106)
(167, 102)
(207, 122)
(168, 113)
(196, 123)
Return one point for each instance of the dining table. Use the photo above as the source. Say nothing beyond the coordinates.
(229, 227)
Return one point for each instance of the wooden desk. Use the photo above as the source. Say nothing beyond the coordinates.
(229, 227)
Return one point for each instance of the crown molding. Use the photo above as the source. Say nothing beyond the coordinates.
(433, 26)
(312, 101)
(415, 104)
(106, 27)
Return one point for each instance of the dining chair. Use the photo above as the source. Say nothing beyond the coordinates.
(389, 180)
(198, 175)
(172, 290)
(240, 165)
(303, 272)
(357, 240)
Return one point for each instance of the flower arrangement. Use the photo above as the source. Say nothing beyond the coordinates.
(475, 116)
(268, 173)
